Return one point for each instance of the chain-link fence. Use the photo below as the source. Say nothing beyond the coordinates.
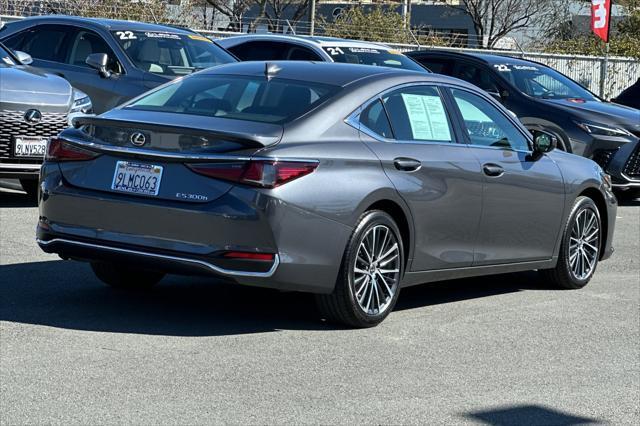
(587, 70)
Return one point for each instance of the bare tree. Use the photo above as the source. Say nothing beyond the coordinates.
(233, 9)
(494, 19)
(275, 11)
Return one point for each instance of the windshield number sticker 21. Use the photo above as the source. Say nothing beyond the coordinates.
(126, 35)
(334, 51)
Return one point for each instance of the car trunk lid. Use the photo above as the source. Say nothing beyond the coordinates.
(145, 155)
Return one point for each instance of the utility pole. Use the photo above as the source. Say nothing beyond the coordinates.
(312, 29)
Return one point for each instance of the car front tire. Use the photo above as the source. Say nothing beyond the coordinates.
(125, 277)
(368, 284)
(580, 248)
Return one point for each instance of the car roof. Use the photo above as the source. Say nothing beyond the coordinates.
(337, 74)
(310, 40)
(107, 24)
(484, 57)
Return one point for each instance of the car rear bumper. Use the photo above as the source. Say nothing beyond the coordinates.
(192, 238)
(148, 258)
(19, 170)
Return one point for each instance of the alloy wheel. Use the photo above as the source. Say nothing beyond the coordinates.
(376, 272)
(584, 243)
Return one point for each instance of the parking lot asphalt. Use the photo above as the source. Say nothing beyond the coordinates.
(495, 350)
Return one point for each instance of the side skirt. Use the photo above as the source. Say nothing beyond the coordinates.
(421, 277)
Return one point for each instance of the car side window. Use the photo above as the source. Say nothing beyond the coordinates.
(259, 51)
(476, 75)
(439, 66)
(486, 124)
(374, 118)
(85, 43)
(299, 53)
(418, 114)
(45, 42)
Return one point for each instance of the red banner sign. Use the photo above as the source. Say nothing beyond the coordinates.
(601, 18)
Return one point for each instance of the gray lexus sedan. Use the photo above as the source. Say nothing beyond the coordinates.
(346, 181)
(34, 105)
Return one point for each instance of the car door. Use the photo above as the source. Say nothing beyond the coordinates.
(523, 196)
(102, 90)
(410, 130)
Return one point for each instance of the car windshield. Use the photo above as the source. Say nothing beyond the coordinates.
(171, 54)
(542, 82)
(6, 59)
(241, 98)
(372, 56)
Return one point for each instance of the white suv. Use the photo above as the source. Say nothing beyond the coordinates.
(273, 47)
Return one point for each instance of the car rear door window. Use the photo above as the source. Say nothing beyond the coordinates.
(299, 53)
(260, 51)
(45, 42)
(418, 114)
(375, 119)
(476, 75)
(486, 125)
(439, 66)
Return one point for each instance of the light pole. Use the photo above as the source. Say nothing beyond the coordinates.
(313, 17)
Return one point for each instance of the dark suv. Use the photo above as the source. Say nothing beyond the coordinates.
(544, 99)
(112, 61)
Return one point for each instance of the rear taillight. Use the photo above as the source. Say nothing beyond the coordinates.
(61, 150)
(262, 173)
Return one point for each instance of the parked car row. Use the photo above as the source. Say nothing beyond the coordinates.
(346, 180)
(114, 61)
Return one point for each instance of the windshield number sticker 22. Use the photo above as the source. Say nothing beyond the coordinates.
(126, 35)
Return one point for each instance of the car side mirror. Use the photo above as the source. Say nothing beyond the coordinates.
(543, 142)
(99, 61)
(23, 57)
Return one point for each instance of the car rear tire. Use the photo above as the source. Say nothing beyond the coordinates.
(580, 248)
(30, 186)
(126, 277)
(368, 284)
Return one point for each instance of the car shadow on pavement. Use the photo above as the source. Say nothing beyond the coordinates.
(528, 415)
(66, 294)
(13, 199)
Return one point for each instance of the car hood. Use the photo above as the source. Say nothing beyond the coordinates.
(601, 112)
(28, 87)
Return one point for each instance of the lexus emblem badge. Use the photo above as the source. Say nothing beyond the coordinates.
(32, 116)
(138, 139)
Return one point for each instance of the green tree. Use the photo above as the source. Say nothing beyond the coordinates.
(376, 24)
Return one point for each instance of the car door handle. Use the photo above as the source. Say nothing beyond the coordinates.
(407, 164)
(492, 170)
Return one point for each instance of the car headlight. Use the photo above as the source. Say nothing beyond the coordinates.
(81, 103)
(602, 130)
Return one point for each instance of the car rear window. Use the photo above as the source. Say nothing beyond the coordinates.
(257, 99)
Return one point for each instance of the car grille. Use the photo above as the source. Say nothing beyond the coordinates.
(632, 168)
(12, 124)
(603, 157)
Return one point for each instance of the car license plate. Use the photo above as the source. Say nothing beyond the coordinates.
(137, 178)
(25, 146)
